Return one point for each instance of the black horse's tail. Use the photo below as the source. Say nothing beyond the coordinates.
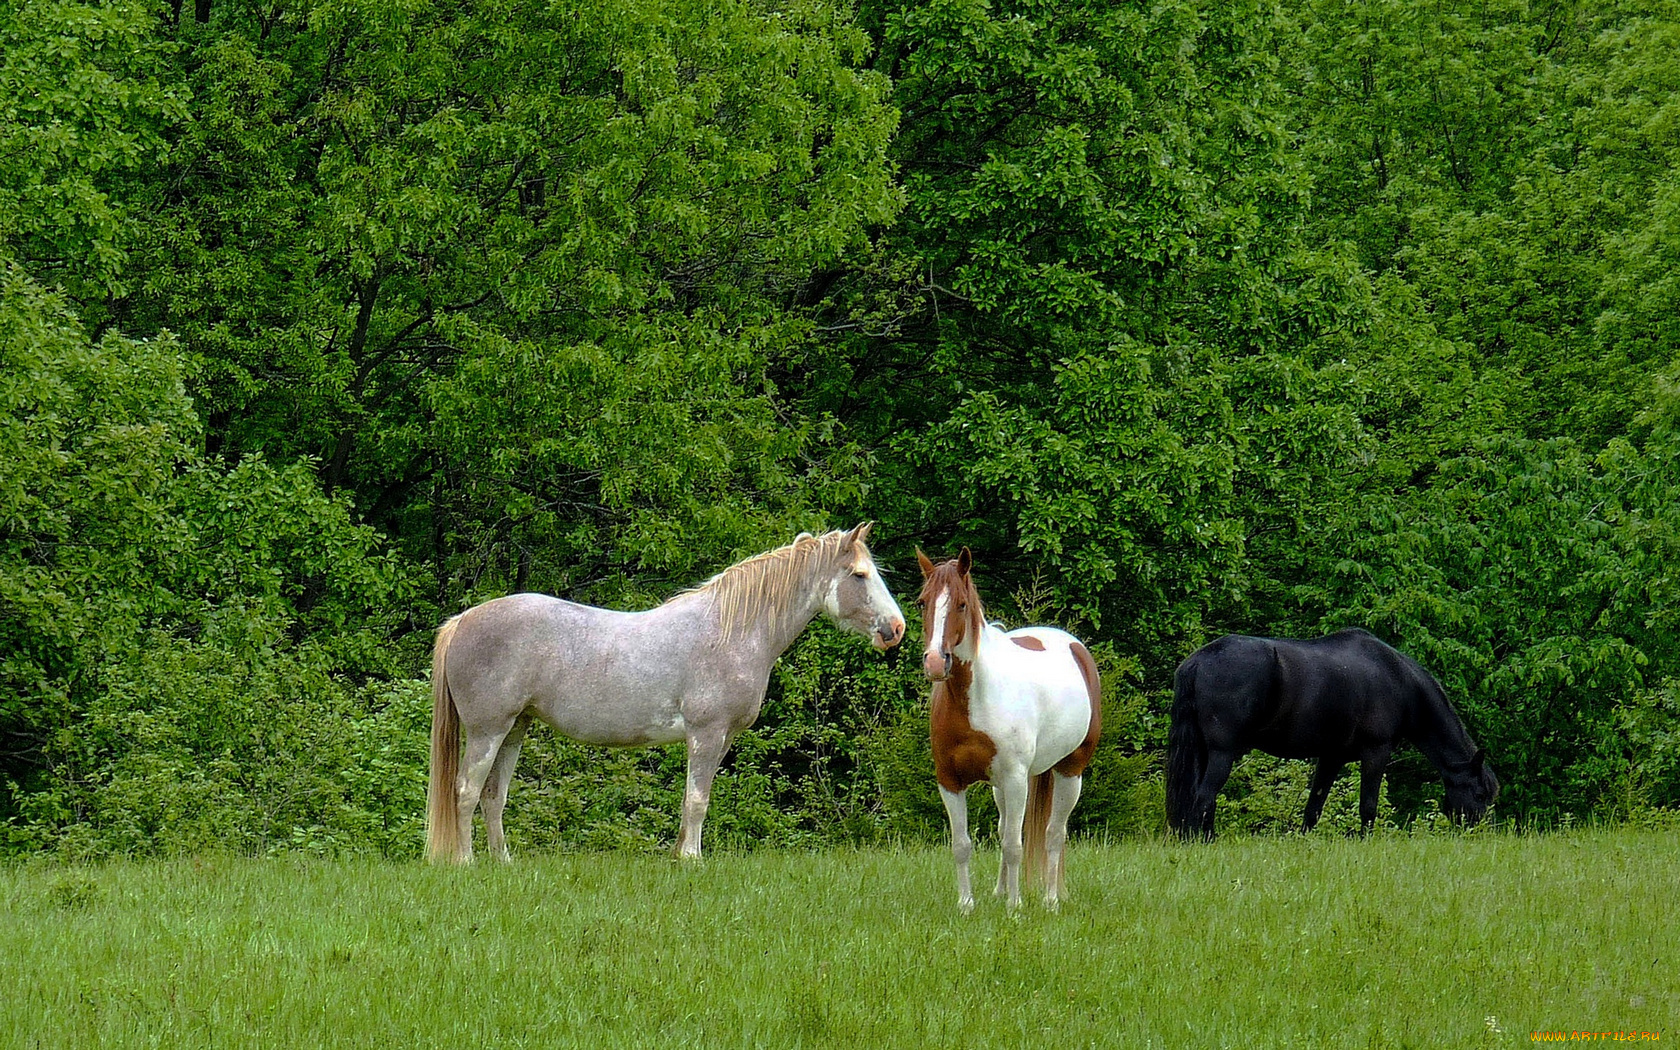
(1186, 751)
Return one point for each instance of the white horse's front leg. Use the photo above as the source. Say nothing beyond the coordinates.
(705, 753)
(962, 847)
(1062, 800)
(1009, 789)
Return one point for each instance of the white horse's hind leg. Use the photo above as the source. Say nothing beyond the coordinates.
(1062, 801)
(480, 756)
(496, 788)
(705, 752)
(1010, 791)
(962, 847)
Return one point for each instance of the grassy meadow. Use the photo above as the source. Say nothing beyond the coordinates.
(1433, 940)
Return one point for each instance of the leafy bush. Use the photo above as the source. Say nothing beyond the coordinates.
(181, 643)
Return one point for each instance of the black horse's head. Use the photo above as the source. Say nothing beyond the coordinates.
(1471, 791)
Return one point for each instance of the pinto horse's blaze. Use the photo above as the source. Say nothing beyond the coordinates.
(1025, 716)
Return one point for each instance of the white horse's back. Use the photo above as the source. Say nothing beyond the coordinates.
(545, 654)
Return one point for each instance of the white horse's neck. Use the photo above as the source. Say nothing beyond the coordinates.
(775, 633)
(766, 633)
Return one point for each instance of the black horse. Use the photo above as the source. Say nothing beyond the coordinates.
(1341, 698)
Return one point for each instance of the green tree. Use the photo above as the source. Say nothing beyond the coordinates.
(1098, 348)
(518, 275)
(172, 631)
(84, 112)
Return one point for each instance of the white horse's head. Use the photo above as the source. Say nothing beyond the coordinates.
(857, 598)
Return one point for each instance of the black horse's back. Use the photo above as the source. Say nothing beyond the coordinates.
(1341, 698)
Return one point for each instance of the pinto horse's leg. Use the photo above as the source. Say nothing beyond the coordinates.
(1218, 771)
(1009, 790)
(705, 754)
(496, 788)
(1062, 801)
(962, 847)
(1370, 786)
(479, 757)
(1323, 778)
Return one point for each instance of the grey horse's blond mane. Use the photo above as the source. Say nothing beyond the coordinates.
(764, 584)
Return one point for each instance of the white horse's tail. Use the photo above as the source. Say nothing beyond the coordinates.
(443, 821)
(1035, 859)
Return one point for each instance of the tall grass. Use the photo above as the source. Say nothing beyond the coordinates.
(1437, 940)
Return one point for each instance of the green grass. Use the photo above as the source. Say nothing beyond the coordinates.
(1295, 941)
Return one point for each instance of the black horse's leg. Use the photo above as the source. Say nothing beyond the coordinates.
(1218, 771)
(1370, 785)
(1323, 777)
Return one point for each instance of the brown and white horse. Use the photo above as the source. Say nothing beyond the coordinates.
(1021, 709)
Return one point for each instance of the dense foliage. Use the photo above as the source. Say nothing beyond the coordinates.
(323, 321)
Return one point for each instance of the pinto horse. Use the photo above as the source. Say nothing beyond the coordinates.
(1021, 709)
(1343, 698)
(694, 669)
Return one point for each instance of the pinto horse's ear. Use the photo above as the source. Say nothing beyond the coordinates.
(859, 533)
(965, 561)
(925, 562)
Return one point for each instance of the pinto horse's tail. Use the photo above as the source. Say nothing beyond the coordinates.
(443, 822)
(1035, 858)
(1186, 752)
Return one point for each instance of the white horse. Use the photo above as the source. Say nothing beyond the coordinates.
(694, 669)
(1022, 709)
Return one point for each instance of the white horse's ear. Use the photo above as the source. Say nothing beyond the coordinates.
(859, 533)
(925, 562)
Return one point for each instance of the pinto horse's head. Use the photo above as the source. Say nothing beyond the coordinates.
(1471, 791)
(858, 599)
(952, 617)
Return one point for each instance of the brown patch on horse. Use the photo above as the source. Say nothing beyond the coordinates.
(1080, 757)
(962, 755)
(1027, 641)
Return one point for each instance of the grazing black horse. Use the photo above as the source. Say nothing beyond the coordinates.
(1342, 698)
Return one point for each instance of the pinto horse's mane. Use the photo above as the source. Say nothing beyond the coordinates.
(770, 583)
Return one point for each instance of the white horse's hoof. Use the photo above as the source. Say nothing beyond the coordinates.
(966, 906)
